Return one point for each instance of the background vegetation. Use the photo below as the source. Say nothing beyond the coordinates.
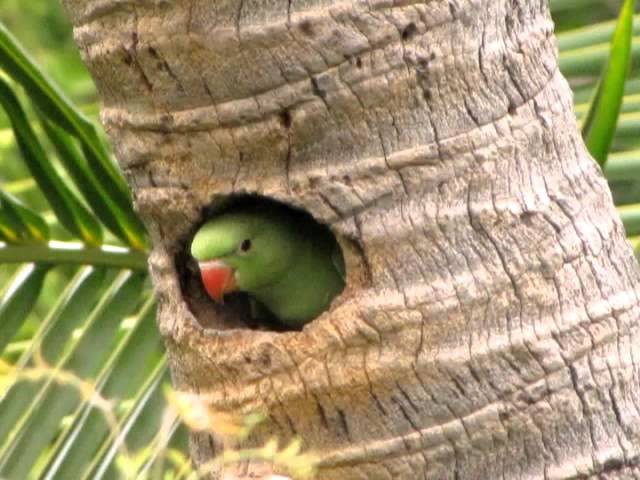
(81, 363)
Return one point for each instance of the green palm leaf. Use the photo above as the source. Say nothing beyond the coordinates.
(25, 223)
(118, 379)
(599, 125)
(41, 421)
(116, 213)
(65, 316)
(17, 63)
(18, 299)
(138, 427)
(87, 332)
(71, 213)
(58, 109)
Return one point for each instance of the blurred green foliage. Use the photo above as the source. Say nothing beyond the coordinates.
(43, 29)
(45, 32)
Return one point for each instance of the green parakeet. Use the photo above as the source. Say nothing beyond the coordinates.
(287, 262)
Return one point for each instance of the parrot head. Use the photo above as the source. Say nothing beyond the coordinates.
(242, 251)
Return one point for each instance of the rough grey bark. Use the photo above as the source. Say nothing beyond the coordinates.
(489, 322)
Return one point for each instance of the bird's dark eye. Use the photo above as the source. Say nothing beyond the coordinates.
(245, 246)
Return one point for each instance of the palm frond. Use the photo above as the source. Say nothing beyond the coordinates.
(103, 322)
(599, 125)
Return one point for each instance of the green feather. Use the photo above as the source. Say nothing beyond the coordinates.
(293, 267)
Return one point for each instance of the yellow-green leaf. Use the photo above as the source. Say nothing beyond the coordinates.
(599, 125)
(33, 226)
(44, 93)
(19, 299)
(70, 212)
(115, 212)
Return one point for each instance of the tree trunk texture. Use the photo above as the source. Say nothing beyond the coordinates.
(491, 311)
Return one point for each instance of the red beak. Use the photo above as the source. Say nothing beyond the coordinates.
(218, 278)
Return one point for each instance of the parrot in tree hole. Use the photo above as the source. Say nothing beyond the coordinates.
(288, 263)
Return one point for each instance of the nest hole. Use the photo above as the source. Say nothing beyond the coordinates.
(238, 309)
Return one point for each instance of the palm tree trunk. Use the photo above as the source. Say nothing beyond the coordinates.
(489, 322)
